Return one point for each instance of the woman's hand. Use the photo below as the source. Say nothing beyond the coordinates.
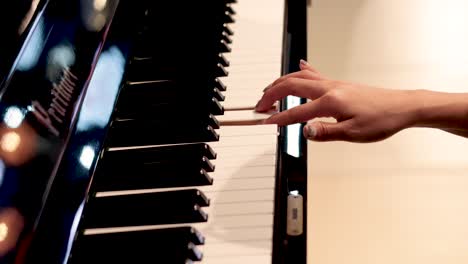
(363, 113)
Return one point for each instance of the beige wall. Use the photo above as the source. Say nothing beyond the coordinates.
(405, 199)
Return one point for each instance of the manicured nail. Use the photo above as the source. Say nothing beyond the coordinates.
(310, 132)
(304, 63)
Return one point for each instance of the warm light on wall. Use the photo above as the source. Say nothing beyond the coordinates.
(99, 5)
(11, 227)
(3, 231)
(10, 141)
(96, 13)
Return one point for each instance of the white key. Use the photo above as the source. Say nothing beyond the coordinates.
(241, 196)
(240, 161)
(256, 51)
(247, 155)
(265, 258)
(237, 234)
(255, 140)
(240, 184)
(230, 152)
(243, 117)
(228, 131)
(260, 207)
(249, 172)
(233, 249)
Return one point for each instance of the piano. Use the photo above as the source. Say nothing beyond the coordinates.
(118, 141)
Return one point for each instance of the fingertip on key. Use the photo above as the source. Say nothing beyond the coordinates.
(259, 108)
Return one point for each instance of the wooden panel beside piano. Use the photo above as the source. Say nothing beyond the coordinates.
(403, 200)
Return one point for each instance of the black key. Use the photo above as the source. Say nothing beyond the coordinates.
(186, 108)
(160, 40)
(228, 18)
(224, 47)
(149, 177)
(212, 121)
(172, 52)
(172, 207)
(226, 37)
(156, 153)
(194, 253)
(157, 91)
(220, 71)
(123, 173)
(230, 10)
(216, 108)
(207, 18)
(184, 155)
(219, 84)
(149, 91)
(152, 67)
(179, 110)
(204, 11)
(156, 132)
(228, 30)
(200, 15)
(218, 95)
(172, 245)
(160, 44)
(223, 60)
(134, 95)
(142, 69)
(187, 234)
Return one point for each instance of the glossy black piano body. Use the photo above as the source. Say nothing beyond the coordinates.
(70, 93)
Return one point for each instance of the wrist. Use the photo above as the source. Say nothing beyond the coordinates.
(440, 109)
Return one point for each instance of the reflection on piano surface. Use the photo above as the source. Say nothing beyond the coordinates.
(111, 146)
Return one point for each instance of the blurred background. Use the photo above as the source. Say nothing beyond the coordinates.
(405, 199)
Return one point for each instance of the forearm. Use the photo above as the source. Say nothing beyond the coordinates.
(446, 111)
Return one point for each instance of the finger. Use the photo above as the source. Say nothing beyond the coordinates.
(326, 131)
(304, 65)
(299, 74)
(311, 89)
(299, 114)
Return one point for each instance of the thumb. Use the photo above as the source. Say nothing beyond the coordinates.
(324, 131)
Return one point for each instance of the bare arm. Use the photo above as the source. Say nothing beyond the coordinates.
(446, 111)
(363, 113)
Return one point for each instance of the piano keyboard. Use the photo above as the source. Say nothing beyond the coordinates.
(207, 201)
(135, 136)
(241, 200)
(256, 52)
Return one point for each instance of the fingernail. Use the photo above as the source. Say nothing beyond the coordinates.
(256, 106)
(266, 88)
(303, 62)
(310, 132)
